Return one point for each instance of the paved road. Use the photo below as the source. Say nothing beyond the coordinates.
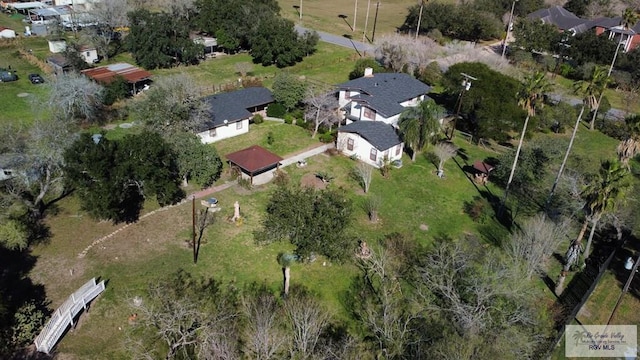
(339, 40)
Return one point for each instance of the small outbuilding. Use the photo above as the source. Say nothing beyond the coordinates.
(255, 163)
(6, 33)
(482, 171)
(135, 76)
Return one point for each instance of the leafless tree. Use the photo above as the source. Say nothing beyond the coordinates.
(307, 320)
(536, 241)
(469, 294)
(363, 173)
(321, 106)
(397, 51)
(444, 151)
(243, 68)
(73, 97)
(172, 104)
(372, 205)
(109, 15)
(386, 312)
(264, 337)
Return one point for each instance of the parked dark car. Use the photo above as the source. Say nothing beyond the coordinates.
(6, 76)
(36, 79)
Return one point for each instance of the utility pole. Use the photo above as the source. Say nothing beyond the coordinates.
(419, 18)
(193, 228)
(366, 22)
(300, 10)
(506, 36)
(466, 86)
(375, 21)
(355, 14)
(634, 269)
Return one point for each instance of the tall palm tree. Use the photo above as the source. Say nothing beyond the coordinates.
(629, 148)
(580, 89)
(530, 96)
(602, 193)
(420, 125)
(629, 18)
(596, 86)
(600, 196)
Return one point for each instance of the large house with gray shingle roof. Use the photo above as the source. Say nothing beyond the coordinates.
(231, 112)
(380, 97)
(565, 20)
(370, 141)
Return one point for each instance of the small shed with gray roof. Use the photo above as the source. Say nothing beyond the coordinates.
(372, 142)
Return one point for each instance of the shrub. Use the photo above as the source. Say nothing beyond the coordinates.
(436, 35)
(288, 119)
(244, 183)
(303, 124)
(258, 119)
(327, 137)
(613, 128)
(281, 178)
(276, 110)
(478, 209)
(270, 138)
(431, 74)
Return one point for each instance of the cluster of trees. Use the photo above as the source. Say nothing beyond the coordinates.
(473, 21)
(162, 39)
(453, 301)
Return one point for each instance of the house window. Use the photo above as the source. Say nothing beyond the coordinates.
(212, 132)
(398, 150)
(88, 53)
(350, 144)
(347, 95)
(368, 113)
(8, 172)
(239, 125)
(373, 155)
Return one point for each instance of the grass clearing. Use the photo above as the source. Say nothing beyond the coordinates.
(324, 15)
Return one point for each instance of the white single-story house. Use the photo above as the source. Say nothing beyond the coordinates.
(231, 112)
(6, 33)
(89, 54)
(370, 141)
(380, 97)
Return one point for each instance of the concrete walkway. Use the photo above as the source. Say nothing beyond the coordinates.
(306, 154)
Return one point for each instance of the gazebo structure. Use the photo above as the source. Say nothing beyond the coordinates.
(255, 163)
(482, 170)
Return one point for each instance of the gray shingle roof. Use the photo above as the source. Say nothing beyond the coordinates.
(560, 17)
(381, 135)
(233, 106)
(385, 91)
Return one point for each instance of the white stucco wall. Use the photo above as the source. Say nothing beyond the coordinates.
(362, 149)
(90, 56)
(224, 132)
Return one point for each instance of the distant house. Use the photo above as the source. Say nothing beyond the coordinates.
(57, 46)
(230, 112)
(6, 33)
(380, 97)
(9, 163)
(89, 54)
(561, 18)
(59, 64)
(136, 77)
(372, 142)
(255, 164)
(565, 20)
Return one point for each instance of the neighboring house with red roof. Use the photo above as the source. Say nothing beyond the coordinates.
(370, 141)
(565, 20)
(231, 112)
(380, 97)
(255, 164)
(6, 33)
(135, 76)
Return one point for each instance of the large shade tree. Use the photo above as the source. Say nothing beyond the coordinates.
(420, 125)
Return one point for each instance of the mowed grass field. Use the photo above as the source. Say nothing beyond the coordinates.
(324, 15)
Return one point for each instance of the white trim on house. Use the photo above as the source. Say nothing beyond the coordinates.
(362, 149)
(224, 132)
